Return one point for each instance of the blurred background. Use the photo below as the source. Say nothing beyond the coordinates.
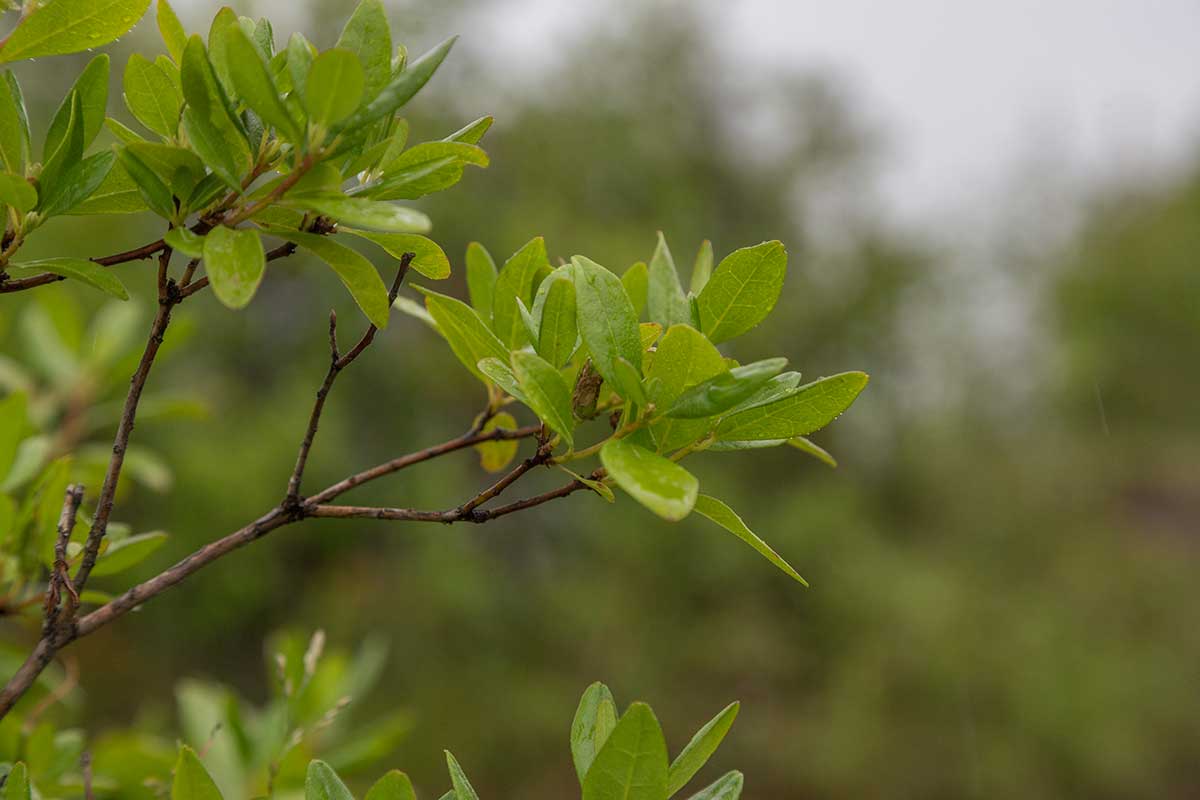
(992, 208)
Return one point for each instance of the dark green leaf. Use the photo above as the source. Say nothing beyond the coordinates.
(255, 86)
(725, 516)
(334, 87)
(155, 193)
(632, 765)
(70, 26)
(725, 390)
(77, 184)
(80, 269)
(606, 319)
(658, 483)
(213, 134)
(546, 392)
(594, 720)
(117, 194)
(808, 409)
(235, 262)
(696, 752)
(742, 291)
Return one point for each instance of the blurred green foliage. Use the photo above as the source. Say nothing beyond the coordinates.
(1001, 603)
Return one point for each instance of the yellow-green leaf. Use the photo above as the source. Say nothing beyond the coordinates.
(235, 262)
(658, 483)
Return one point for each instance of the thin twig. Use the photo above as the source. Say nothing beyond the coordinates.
(60, 575)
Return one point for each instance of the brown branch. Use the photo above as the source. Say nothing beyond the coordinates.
(60, 575)
(336, 365)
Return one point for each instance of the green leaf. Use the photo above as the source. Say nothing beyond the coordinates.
(180, 169)
(725, 516)
(428, 167)
(594, 721)
(558, 331)
(501, 374)
(481, 280)
(402, 88)
(171, 30)
(334, 87)
(182, 240)
(472, 132)
(636, 281)
(128, 552)
(632, 764)
(255, 86)
(606, 319)
(360, 212)
(91, 87)
(683, 359)
(322, 783)
(63, 152)
(156, 194)
(368, 35)
(658, 483)
(192, 781)
(697, 751)
(742, 291)
(629, 381)
(727, 787)
(213, 134)
(807, 409)
(701, 268)
(813, 449)
(464, 331)
(777, 388)
(16, 787)
(116, 194)
(78, 268)
(394, 785)
(495, 456)
(428, 258)
(224, 25)
(13, 149)
(462, 787)
(77, 184)
(355, 271)
(235, 262)
(70, 26)
(546, 392)
(300, 55)
(17, 192)
(724, 391)
(14, 419)
(665, 298)
(516, 281)
(152, 96)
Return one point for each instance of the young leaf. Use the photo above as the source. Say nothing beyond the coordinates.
(16, 786)
(182, 240)
(606, 319)
(629, 381)
(70, 26)
(152, 96)
(665, 298)
(727, 787)
(632, 765)
(171, 30)
(742, 290)
(725, 390)
(428, 257)
(17, 192)
(728, 519)
(235, 262)
(255, 86)
(401, 89)
(394, 785)
(192, 781)
(495, 456)
(813, 449)
(322, 783)
(683, 359)
(355, 271)
(808, 409)
(464, 331)
(334, 87)
(300, 55)
(546, 392)
(594, 720)
(368, 35)
(696, 752)
(514, 282)
(128, 552)
(80, 269)
(462, 787)
(558, 331)
(360, 212)
(658, 483)
(636, 281)
(472, 132)
(481, 280)
(501, 374)
(701, 268)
